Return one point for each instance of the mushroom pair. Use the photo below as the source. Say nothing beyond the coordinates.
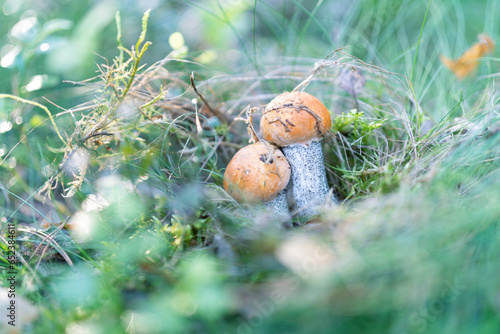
(296, 122)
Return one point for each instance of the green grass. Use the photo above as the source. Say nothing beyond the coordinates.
(123, 227)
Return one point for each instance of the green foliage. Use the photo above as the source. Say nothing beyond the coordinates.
(354, 126)
(189, 233)
(368, 181)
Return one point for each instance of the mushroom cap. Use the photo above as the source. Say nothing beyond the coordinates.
(257, 172)
(295, 118)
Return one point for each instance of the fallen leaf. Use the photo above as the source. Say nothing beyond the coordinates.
(469, 60)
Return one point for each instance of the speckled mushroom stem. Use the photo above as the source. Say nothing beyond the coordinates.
(309, 184)
(279, 207)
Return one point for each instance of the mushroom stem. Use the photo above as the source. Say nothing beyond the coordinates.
(309, 184)
(279, 207)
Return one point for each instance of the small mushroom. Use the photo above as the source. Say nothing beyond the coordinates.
(297, 122)
(259, 173)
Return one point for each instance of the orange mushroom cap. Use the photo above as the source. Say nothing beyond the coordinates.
(257, 172)
(295, 118)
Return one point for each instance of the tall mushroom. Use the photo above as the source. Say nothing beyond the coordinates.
(259, 173)
(297, 122)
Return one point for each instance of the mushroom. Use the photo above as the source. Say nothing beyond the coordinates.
(259, 173)
(297, 122)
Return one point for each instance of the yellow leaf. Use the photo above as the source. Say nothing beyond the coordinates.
(469, 60)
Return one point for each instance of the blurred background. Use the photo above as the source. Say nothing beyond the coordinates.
(46, 42)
